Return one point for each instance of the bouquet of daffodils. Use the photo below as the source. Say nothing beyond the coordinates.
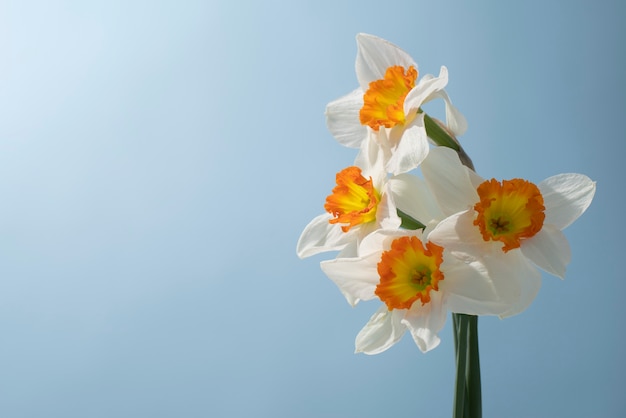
(447, 240)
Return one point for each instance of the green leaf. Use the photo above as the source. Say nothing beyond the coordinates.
(409, 222)
(439, 135)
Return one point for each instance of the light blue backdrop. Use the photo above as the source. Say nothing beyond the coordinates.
(158, 161)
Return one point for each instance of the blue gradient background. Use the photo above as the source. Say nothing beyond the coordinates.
(158, 161)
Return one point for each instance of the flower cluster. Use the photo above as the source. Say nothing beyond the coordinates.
(448, 240)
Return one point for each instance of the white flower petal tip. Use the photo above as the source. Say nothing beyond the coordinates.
(382, 331)
(342, 119)
(454, 118)
(375, 55)
(355, 277)
(320, 236)
(566, 197)
(549, 250)
(425, 322)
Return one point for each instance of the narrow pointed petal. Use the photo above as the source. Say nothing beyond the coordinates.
(374, 56)
(431, 88)
(372, 157)
(386, 213)
(425, 322)
(455, 120)
(383, 330)
(449, 180)
(321, 236)
(411, 150)
(425, 90)
(356, 278)
(342, 119)
(566, 197)
(549, 250)
(374, 153)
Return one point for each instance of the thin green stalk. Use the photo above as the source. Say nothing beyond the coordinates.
(460, 333)
(473, 371)
(467, 396)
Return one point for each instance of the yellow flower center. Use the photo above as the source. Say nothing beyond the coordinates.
(408, 272)
(354, 200)
(509, 211)
(383, 102)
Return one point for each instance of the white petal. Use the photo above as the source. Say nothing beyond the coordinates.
(372, 158)
(455, 120)
(458, 233)
(386, 212)
(375, 152)
(516, 280)
(356, 278)
(425, 322)
(374, 56)
(342, 119)
(475, 180)
(349, 251)
(383, 330)
(424, 90)
(411, 149)
(320, 236)
(566, 197)
(369, 155)
(413, 197)
(380, 240)
(449, 180)
(549, 250)
(469, 289)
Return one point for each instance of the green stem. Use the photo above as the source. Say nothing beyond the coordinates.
(460, 345)
(467, 395)
(473, 371)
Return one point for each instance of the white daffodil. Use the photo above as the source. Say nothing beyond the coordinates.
(418, 283)
(384, 111)
(357, 206)
(487, 218)
(362, 202)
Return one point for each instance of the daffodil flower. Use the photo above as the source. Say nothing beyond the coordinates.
(517, 218)
(361, 202)
(384, 112)
(418, 282)
(357, 206)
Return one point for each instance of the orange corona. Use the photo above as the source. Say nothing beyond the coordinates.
(354, 200)
(408, 272)
(383, 102)
(509, 211)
